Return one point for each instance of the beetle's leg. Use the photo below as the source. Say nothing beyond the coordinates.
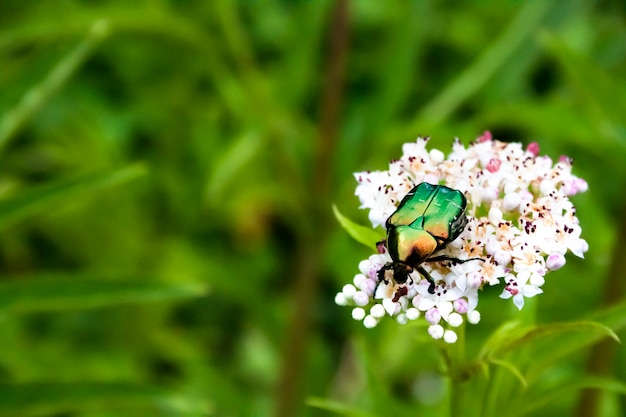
(381, 276)
(451, 259)
(381, 273)
(421, 270)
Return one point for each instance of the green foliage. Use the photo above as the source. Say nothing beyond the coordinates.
(362, 234)
(153, 150)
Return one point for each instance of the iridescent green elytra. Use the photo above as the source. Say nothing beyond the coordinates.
(427, 219)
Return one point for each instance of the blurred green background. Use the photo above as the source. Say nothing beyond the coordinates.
(167, 170)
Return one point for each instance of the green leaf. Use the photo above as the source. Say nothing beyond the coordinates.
(512, 338)
(365, 235)
(613, 317)
(37, 200)
(498, 338)
(336, 407)
(512, 369)
(59, 398)
(50, 293)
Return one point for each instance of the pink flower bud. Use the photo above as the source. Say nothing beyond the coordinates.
(493, 165)
(533, 148)
(486, 137)
(555, 261)
(460, 305)
(433, 316)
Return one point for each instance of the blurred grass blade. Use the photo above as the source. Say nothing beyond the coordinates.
(479, 72)
(60, 398)
(336, 408)
(365, 235)
(36, 200)
(537, 399)
(603, 96)
(231, 162)
(49, 294)
(37, 96)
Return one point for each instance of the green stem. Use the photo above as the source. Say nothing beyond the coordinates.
(454, 355)
(491, 392)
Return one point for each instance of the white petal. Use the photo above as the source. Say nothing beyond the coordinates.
(390, 306)
(445, 308)
(518, 300)
(530, 291)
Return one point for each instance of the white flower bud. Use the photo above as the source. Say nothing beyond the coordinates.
(361, 298)
(511, 202)
(450, 336)
(546, 187)
(358, 313)
(555, 261)
(436, 156)
(537, 280)
(358, 280)
(412, 313)
(341, 300)
(489, 194)
(495, 215)
(433, 316)
(455, 319)
(377, 311)
(473, 317)
(435, 331)
(349, 290)
(402, 319)
(369, 322)
(502, 257)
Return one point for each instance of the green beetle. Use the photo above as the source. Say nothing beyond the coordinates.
(427, 219)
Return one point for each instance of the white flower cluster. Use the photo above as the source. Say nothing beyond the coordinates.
(520, 223)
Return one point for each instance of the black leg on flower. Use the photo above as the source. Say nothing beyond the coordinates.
(451, 259)
(422, 271)
(381, 273)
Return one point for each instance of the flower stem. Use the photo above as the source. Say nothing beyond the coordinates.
(454, 355)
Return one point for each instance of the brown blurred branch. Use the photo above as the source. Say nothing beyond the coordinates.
(288, 393)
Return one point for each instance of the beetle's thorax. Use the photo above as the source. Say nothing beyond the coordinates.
(409, 245)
